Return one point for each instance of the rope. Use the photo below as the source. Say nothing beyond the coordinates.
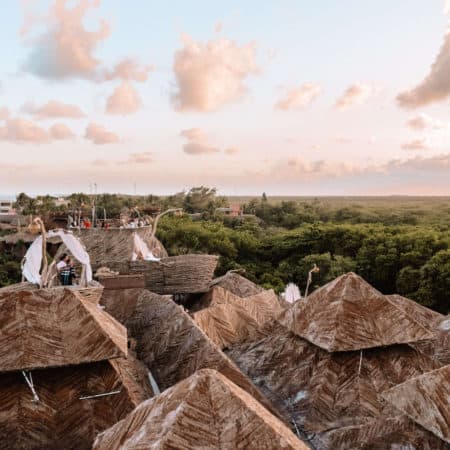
(87, 397)
(360, 362)
(31, 385)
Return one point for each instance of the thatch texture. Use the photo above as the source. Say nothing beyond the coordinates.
(205, 411)
(115, 245)
(349, 314)
(399, 433)
(229, 319)
(42, 328)
(237, 284)
(426, 400)
(60, 419)
(173, 275)
(173, 347)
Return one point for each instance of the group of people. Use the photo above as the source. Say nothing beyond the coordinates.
(66, 270)
(135, 223)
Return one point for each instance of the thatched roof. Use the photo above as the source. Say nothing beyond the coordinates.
(115, 245)
(173, 347)
(203, 411)
(426, 400)
(237, 284)
(322, 390)
(61, 419)
(55, 327)
(379, 434)
(425, 316)
(349, 314)
(229, 319)
(181, 274)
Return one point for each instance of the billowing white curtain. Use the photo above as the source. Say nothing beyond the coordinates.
(140, 247)
(292, 293)
(33, 257)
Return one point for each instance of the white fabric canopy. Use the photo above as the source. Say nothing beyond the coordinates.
(33, 257)
(292, 293)
(141, 248)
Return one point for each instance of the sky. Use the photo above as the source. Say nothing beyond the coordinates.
(278, 96)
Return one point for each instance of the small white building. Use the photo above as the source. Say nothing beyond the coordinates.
(7, 207)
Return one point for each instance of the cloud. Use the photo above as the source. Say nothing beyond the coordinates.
(231, 151)
(130, 70)
(342, 140)
(423, 122)
(299, 97)
(60, 131)
(21, 130)
(124, 100)
(197, 142)
(437, 163)
(4, 113)
(435, 86)
(416, 144)
(66, 48)
(53, 109)
(99, 135)
(211, 75)
(140, 158)
(355, 94)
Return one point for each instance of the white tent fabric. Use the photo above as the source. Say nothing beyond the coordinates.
(141, 248)
(33, 257)
(292, 293)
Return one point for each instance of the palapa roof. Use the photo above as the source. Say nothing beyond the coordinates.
(237, 284)
(53, 327)
(426, 400)
(322, 390)
(204, 411)
(61, 419)
(349, 314)
(173, 347)
(229, 319)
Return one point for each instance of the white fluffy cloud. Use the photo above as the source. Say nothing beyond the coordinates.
(66, 48)
(59, 131)
(356, 94)
(423, 122)
(53, 109)
(21, 130)
(124, 100)
(211, 75)
(416, 144)
(299, 97)
(99, 135)
(197, 142)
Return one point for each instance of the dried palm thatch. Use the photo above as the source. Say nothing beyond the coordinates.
(237, 284)
(379, 434)
(426, 400)
(43, 328)
(61, 419)
(203, 411)
(106, 247)
(349, 314)
(230, 319)
(173, 275)
(173, 347)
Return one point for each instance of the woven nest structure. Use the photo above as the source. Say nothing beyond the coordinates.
(115, 245)
(326, 361)
(229, 319)
(237, 284)
(205, 411)
(63, 373)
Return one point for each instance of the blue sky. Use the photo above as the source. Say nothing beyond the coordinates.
(371, 50)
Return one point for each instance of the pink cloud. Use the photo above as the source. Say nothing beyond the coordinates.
(21, 130)
(423, 121)
(435, 86)
(140, 158)
(299, 97)
(197, 142)
(53, 109)
(4, 113)
(130, 70)
(99, 135)
(232, 151)
(124, 100)
(355, 94)
(66, 48)
(416, 144)
(60, 131)
(211, 75)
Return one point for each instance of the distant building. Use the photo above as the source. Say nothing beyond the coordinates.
(7, 207)
(231, 211)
